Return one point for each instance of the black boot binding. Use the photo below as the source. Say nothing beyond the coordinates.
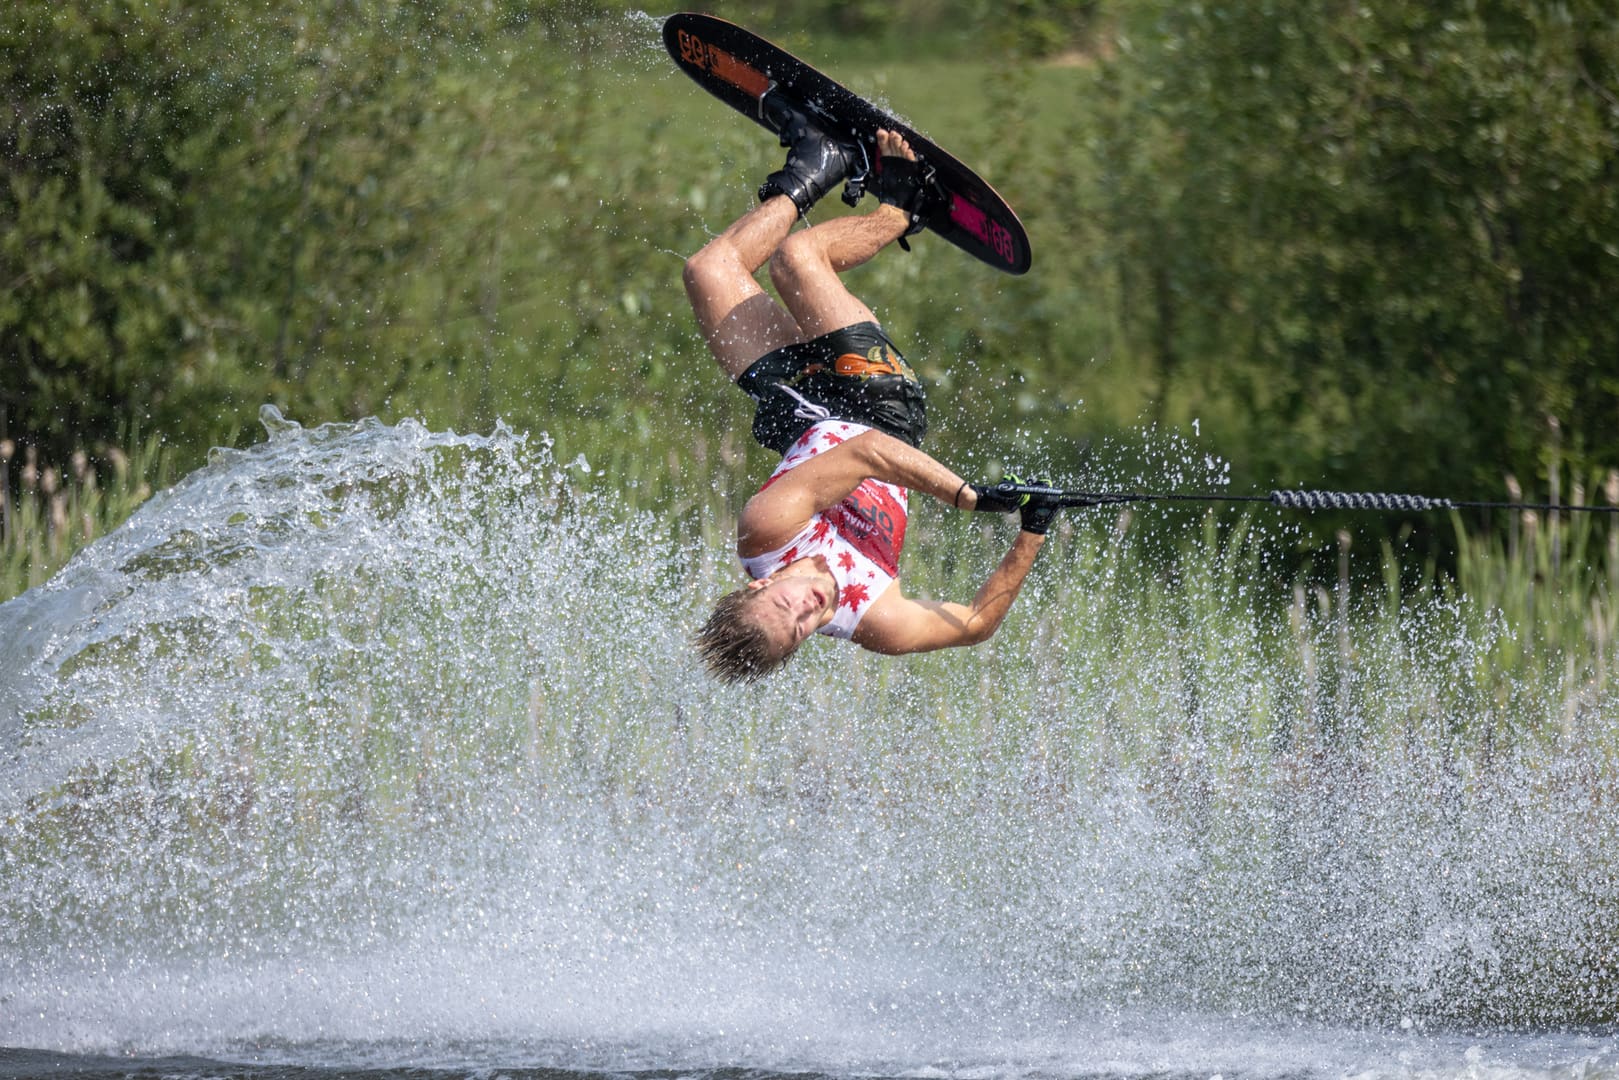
(911, 186)
(815, 160)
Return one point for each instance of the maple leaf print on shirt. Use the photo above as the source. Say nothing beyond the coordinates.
(852, 596)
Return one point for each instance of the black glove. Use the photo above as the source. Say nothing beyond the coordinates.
(998, 498)
(1038, 512)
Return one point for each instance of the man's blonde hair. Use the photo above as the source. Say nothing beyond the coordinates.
(734, 647)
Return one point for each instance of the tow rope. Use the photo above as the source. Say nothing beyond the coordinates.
(1291, 500)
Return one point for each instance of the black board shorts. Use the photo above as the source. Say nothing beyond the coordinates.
(856, 374)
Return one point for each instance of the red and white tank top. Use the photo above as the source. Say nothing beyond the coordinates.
(860, 538)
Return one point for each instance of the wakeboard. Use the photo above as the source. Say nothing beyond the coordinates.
(739, 67)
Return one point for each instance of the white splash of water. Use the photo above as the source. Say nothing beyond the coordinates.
(373, 737)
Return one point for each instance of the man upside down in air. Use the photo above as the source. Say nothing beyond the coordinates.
(821, 540)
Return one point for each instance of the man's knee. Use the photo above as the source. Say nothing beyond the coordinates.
(796, 257)
(702, 268)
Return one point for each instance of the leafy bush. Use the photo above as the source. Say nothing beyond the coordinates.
(1387, 228)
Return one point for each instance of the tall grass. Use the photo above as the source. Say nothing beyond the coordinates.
(1551, 580)
(52, 511)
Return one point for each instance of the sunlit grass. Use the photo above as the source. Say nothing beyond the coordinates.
(53, 511)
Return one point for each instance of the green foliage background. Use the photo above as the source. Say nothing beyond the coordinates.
(1364, 246)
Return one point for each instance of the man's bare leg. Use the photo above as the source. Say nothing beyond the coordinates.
(739, 319)
(806, 265)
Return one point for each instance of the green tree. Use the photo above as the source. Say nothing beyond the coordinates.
(1389, 229)
(101, 316)
(310, 204)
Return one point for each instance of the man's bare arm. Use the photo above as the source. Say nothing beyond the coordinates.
(898, 624)
(776, 514)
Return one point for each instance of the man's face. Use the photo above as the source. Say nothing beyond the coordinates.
(788, 609)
